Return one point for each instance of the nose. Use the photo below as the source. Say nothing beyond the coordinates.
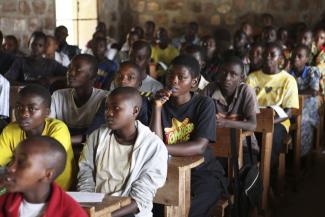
(227, 76)
(109, 112)
(11, 167)
(173, 80)
(23, 112)
(124, 80)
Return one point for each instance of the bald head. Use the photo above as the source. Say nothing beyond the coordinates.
(130, 94)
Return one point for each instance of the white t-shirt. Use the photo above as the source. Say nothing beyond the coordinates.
(31, 209)
(64, 108)
(4, 96)
(62, 58)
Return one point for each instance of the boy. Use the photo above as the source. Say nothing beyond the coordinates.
(29, 177)
(140, 54)
(36, 68)
(11, 46)
(307, 78)
(106, 67)
(186, 123)
(274, 86)
(256, 57)
(127, 76)
(268, 34)
(77, 105)
(61, 34)
(51, 53)
(125, 158)
(31, 110)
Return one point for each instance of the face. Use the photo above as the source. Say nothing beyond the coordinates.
(31, 112)
(78, 74)
(61, 35)
(149, 28)
(38, 46)
(51, 46)
(299, 58)
(140, 57)
(229, 77)
(99, 48)
(180, 80)
(162, 37)
(10, 46)
(269, 36)
(284, 36)
(271, 60)
(320, 38)
(133, 38)
(128, 76)
(306, 38)
(248, 29)
(25, 171)
(240, 41)
(119, 112)
(256, 56)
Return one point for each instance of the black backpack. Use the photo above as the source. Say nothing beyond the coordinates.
(248, 186)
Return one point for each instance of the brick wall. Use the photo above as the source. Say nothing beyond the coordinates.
(22, 17)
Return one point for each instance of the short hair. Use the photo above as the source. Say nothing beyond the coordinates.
(233, 60)
(100, 39)
(12, 38)
(53, 152)
(275, 45)
(304, 47)
(60, 28)
(140, 44)
(38, 35)
(195, 49)
(38, 90)
(132, 65)
(91, 60)
(189, 62)
(132, 94)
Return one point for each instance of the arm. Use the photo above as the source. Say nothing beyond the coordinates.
(131, 208)
(194, 147)
(249, 124)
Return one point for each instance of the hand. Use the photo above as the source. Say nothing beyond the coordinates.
(161, 97)
(221, 123)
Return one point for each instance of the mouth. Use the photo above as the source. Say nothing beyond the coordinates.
(24, 123)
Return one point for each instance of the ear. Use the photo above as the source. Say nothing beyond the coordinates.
(195, 81)
(48, 175)
(136, 111)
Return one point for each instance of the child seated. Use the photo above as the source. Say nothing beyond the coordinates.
(124, 158)
(106, 67)
(29, 177)
(4, 97)
(36, 68)
(186, 123)
(128, 76)
(274, 86)
(11, 46)
(31, 110)
(307, 78)
(77, 105)
(51, 53)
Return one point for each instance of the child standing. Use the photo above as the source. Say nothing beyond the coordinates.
(125, 158)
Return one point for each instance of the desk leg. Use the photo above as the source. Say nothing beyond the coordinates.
(265, 168)
(182, 209)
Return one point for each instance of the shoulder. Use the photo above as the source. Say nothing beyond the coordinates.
(313, 71)
(201, 100)
(56, 124)
(245, 89)
(101, 92)
(62, 92)
(11, 129)
(286, 76)
(209, 89)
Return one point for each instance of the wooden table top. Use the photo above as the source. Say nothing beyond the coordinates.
(186, 162)
(109, 204)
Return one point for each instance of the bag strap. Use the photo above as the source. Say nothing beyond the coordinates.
(234, 158)
(250, 149)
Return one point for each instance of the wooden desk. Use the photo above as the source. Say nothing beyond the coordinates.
(105, 208)
(176, 193)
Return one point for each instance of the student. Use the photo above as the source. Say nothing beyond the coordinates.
(307, 78)
(241, 41)
(4, 97)
(36, 68)
(77, 105)
(274, 86)
(319, 57)
(51, 53)
(140, 54)
(61, 34)
(149, 34)
(256, 57)
(124, 158)
(131, 37)
(31, 110)
(6, 59)
(235, 102)
(29, 177)
(106, 68)
(189, 38)
(186, 123)
(212, 62)
(268, 34)
(127, 76)
(11, 46)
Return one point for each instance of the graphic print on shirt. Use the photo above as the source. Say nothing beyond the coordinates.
(180, 131)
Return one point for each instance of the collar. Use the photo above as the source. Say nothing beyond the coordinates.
(217, 95)
(303, 74)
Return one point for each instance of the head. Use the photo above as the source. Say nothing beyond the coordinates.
(32, 107)
(82, 71)
(140, 54)
(183, 75)
(99, 47)
(149, 27)
(320, 37)
(101, 27)
(37, 161)
(247, 28)
(240, 40)
(230, 74)
(61, 33)
(272, 58)
(132, 37)
(37, 44)
(10, 44)
(267, 19)
(209, 44)
(300, 57)
(306, 37)
(198, 53)
(283, 35)
(128, 75)
(122, 107)
(256, 56)
(269, 34)
(191, 31)
(162, 37)
(51, 45)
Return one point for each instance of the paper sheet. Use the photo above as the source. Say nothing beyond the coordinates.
(281, 113)
(87, 197)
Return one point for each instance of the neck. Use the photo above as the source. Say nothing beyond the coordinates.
(39, 195)
(36, 131)
(126, 135)
(84, 91)
(180, 100)
(271, 71)
(228, 94)
(299, 71)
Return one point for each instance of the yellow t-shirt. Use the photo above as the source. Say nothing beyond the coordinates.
(12, 135)
(164, 55)
(278, 89)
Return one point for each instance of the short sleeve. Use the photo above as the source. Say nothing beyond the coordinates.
(14, 72)
(314, 76)
(5, 146)
(250, 105)
(291, 97)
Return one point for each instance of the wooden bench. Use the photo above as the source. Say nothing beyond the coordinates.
(106, 207)
(175, 195)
